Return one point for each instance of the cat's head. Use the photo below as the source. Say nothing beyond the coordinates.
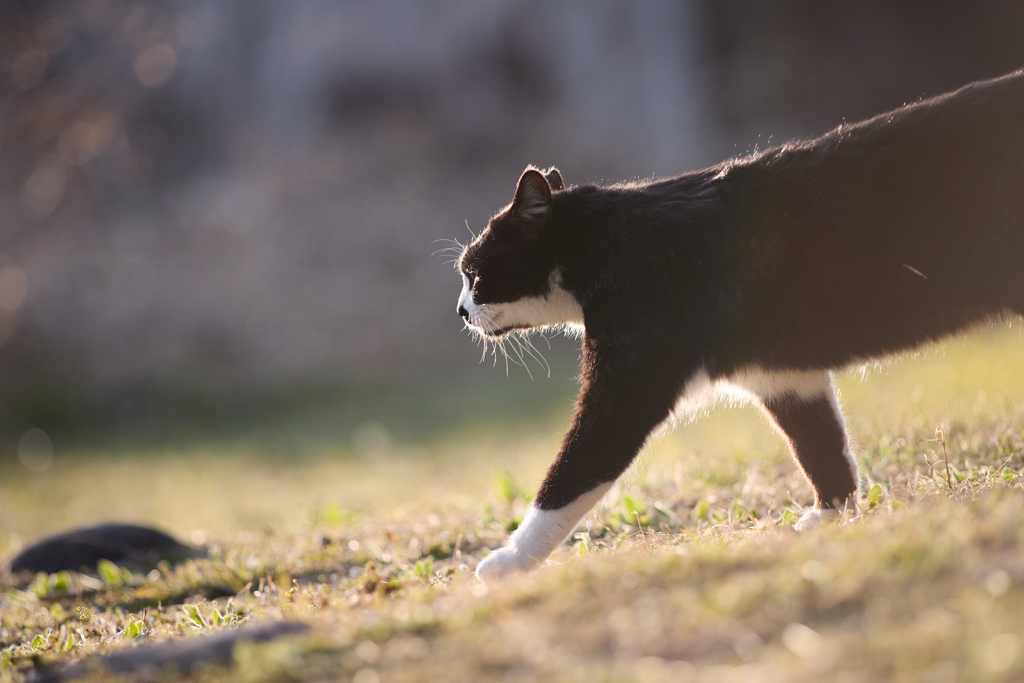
(510, 276)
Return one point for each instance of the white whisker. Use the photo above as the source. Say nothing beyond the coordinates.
(501, 345)
(535, 352)
(517, 351)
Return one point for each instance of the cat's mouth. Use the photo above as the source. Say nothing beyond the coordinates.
(495, 321)
(494, 332)
(503, 331)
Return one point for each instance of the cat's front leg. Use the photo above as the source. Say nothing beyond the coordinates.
(617, 409)
(540, 532)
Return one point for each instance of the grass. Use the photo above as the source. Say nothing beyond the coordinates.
(690, 571)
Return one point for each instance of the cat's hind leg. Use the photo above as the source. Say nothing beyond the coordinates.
(805, 410)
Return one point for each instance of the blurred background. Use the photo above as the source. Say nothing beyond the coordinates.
(220, 213)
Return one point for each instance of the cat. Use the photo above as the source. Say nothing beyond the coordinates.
(761, 274)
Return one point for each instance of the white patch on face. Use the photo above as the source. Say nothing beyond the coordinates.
(540, 533)
(466, 297)
(557, 307)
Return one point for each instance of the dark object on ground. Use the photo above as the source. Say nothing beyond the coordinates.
(152, 661)
(81, 549)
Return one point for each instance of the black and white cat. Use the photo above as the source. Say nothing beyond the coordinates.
(762, 274)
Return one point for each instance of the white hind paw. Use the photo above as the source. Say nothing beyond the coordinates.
(504, 562)
(814, 517)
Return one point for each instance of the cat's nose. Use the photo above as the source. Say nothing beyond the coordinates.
(463, 312)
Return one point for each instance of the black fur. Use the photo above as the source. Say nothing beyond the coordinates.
(817, 440)
(517, 254)
(872, 239)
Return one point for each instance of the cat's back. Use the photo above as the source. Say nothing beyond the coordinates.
(883, 234)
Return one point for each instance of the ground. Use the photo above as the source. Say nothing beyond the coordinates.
(689, 571)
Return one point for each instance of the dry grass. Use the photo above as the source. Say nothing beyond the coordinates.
(690, 571)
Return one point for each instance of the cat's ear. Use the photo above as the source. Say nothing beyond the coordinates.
(533, 197)
(554, 179)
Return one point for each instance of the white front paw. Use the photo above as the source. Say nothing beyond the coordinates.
(503, 562)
